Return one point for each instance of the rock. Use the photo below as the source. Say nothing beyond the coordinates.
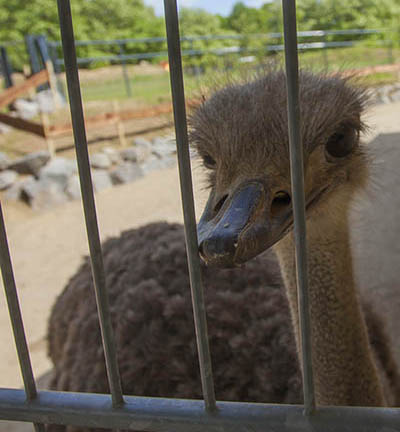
(59, 170)
(30, 164)
(45, 101)
(126, 172)
(129, 154)
(395, 96)
(141, 142)
(143, 148)
(163, 147)
(26, 109)
(14, 192)
(42, 193)
(100, 160)
(73, 189)
(4, 128)
(155, 163)
(4, 161)
(7, 179)
(112, 154)
(101, 180)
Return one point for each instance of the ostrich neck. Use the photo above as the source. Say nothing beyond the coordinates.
(344, 368)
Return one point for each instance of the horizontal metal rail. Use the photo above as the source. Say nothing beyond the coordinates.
(215, 51)
(166, 415)
(309, 33)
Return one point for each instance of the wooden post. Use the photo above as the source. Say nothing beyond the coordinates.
(27, 74)
(120, 125)
(53, 84)
(49, 141)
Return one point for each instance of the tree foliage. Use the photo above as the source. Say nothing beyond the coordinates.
(93, 19)
(116, 19)
(198, 22)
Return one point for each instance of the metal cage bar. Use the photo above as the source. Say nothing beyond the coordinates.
(16, 317)
(297, 179)
(166, 415)
(78, 123)
(185, 175)
(159, 414)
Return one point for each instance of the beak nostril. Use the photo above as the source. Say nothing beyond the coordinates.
(281, 202)
(219, 204)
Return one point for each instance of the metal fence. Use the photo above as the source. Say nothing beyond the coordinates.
(157, 414)
(38, 46)
(223, 50)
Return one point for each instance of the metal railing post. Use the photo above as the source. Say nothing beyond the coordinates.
(16, 318)
(78, 123)
(182, 143)
(297, 178)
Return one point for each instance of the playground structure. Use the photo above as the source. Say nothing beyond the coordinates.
(41, 76)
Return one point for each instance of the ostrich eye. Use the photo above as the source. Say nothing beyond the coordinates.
(341, 143)
(208, 161)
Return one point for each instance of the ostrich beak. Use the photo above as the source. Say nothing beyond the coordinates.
(241, 229)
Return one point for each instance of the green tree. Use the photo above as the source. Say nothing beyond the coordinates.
(345, 14)
(93, 19)
(247, 20)
(198, 22)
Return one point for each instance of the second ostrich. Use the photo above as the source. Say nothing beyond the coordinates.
(241, 134)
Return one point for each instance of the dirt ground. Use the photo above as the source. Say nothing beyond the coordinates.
(47, 247)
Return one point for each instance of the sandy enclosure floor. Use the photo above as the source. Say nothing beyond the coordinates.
(47, 247)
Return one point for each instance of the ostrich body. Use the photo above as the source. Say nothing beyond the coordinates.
(241, 134)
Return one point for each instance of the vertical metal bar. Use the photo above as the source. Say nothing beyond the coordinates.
(34, 59)
(16, 317)
(43, 54)
(178, 97)
(297, 178)
(6, 68)
(78, 123)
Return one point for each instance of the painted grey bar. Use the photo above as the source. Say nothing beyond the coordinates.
(297, 178)
(78, 123)
(16, 317)
(178, 99)
(166, 415)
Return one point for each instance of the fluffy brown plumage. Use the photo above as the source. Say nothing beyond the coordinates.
(252, 344)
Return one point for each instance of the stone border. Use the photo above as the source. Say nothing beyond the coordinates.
(42, 181)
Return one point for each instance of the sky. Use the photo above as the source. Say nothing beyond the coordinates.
(222, 7)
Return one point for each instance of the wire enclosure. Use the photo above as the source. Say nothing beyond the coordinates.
(158, 414)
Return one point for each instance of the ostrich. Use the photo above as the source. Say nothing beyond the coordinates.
(240, 133)
(246, 151)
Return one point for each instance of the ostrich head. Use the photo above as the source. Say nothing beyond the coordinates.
(241, 134)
